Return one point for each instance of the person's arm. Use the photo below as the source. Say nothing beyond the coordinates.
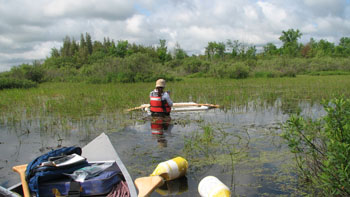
(167, 98)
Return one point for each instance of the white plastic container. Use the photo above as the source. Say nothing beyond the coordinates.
(171, 169)
(211, 186)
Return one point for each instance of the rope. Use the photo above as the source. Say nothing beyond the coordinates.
(121, 190)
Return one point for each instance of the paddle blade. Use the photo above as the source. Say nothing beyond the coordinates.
(146, 185)
(21, 170)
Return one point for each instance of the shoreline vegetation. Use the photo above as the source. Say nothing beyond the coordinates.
(77, 100)
(96, 62)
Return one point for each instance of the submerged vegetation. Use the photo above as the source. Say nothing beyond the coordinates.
(121, 62)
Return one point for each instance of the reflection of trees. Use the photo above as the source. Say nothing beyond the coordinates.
(210, 146)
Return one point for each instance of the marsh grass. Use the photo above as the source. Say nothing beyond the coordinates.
(60, 110)
(79, 100)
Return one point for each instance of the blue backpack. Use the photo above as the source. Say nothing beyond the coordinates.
(50, 180)
(101, 184)
(36, 174)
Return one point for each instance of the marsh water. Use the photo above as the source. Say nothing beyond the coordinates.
(240, 146)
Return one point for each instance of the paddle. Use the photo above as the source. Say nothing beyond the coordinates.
(175, 105)
(139, 107)
(146, 185)
(194, 104)
(168, 170)
(21, 170)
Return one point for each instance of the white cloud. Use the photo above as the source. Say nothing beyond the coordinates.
(29, 31)
(107, 9)
(133, 24)
(251, 13)
(326, 7)
(38, 52)
(276, 16)
(5, 41)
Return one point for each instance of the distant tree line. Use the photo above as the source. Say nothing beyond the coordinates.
(121, 61)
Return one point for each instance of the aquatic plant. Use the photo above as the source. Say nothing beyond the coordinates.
(322, 147)
(78, 100)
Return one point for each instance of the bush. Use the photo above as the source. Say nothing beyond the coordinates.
(198, 75)
(194, 65)
(322, 147)
(288, 73)
(30, 72)
(325, 73)
(8, 83)
(241, 71)
(264, 74)
(230, 70)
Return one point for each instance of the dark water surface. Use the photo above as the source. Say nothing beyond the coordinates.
(240, 146)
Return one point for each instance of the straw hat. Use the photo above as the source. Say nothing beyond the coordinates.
(160, 83)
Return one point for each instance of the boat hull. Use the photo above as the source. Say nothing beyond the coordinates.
(98, 150)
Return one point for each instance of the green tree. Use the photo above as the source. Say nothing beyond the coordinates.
(310, 49)
(343, 49)
(179, 52)
(88, 43)
(251, 52)
(290, 42)
(55, 53)
(215, 49)
(270, 49)
(122, 48)
(74, 48)
(233, 47)
(210, 50)
(220, 49)
(324, 48)
(107, 43)
(82, 42)
(65, 49)
(162, 51)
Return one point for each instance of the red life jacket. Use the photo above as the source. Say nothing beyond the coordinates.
(158, 106)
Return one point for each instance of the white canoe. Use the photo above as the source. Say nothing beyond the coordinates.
(182, 107)
(98, 150)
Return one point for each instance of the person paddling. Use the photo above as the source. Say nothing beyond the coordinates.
(160, 101)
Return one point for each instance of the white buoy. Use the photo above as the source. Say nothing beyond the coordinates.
(211, 186)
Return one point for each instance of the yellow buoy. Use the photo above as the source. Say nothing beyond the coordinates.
(171, 169)
(211, 186)
(168, 170)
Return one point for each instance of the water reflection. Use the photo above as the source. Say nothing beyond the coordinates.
(159, 126)
(240, 146)
(174, 187)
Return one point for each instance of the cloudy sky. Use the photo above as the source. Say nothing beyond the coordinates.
(30, 28)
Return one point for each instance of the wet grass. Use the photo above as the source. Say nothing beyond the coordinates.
(78, 100)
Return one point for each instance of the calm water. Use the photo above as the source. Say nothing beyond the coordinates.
(240, 146)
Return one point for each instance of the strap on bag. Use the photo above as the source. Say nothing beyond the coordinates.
(74, 189)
